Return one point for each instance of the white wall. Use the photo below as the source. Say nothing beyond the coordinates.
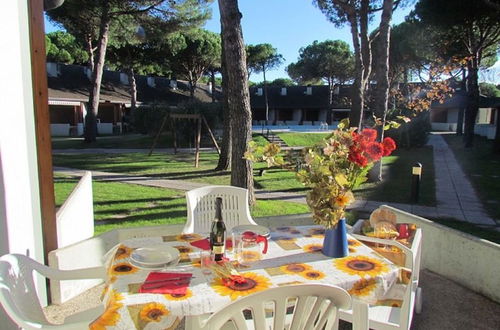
(460, 257)
(20, 221)
(75, 218)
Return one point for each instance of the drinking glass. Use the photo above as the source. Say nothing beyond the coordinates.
(206, 258)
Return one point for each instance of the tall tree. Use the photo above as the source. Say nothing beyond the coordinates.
(357, 13)
(330, 61)
(201, 52)
(173, 14)
(226, 145)
(62, 47)
(474, 25)
(81, 19)
(261, 58)
(237, 94)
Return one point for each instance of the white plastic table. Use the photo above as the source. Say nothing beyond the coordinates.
(294, 257)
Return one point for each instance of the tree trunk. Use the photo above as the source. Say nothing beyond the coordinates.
(382, 78)
(473, 101)
(192, 85)
(330, 101)
(95, 91)
(238, 94)
(357, 90)
(496, 142)
(212, 81)
(90, 50)
(225, 149)
(265, 94)
(133, 90)
(461, 111)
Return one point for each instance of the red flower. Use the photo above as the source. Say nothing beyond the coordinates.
(357, 158)
(369, 134)
(389, 146)
(375, 150)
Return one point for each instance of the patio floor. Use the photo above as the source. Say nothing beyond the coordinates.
(446, 305)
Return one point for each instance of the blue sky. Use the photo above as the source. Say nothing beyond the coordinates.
(286, 24)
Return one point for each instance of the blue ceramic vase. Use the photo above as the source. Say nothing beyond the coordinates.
(335, 242)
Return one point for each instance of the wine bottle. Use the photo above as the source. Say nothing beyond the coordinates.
(218, 232)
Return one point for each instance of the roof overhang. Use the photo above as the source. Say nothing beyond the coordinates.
(64, 102)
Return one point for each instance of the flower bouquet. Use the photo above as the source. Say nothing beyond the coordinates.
(332, 168)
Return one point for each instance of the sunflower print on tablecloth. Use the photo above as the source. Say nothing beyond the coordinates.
(123, 252)
(295, 269)
(188, 237)
(173, 296)
(361, 266)
(254, 283)
(313, 274)
(123, 268)
(313, 247)
(153, 312)
(317, 232)
(353, 242)
(363, 287)
(110, 317)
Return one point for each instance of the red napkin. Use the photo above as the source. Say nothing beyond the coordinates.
(178, 284)
(204, 244)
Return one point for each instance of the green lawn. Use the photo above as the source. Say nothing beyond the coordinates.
(482, 168)
(133, 141)
(397, 178)
(293, 139)
(394, 188)
(126, 205)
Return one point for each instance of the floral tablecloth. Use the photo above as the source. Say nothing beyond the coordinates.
(294, 257)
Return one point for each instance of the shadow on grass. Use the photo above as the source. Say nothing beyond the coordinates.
(143, 217)
(141, 200)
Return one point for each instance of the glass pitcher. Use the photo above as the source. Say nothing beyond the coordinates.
(249, 248)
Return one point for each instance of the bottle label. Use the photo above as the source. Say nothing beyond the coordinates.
(218, 249)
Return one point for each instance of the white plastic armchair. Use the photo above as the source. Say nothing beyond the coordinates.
(315, 306)
(201, 208)
(19, 298)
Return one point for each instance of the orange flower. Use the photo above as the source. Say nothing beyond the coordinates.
(344, 199)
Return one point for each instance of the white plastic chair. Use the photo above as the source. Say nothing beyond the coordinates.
(314, 307)
(19, 298)
(201, 208)
(392, 318)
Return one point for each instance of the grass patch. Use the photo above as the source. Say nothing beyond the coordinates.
(469, 228)
(134, 141)
(293, 139)
(395, 186)
(121, 205)
(481, 166)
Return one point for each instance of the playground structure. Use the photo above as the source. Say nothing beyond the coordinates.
(198, 119)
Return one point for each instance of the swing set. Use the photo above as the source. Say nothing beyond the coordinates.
(198, 119)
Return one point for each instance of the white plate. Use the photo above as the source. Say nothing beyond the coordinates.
(258, 229)
(155, 256)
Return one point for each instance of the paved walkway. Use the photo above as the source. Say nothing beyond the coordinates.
(455, 196)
